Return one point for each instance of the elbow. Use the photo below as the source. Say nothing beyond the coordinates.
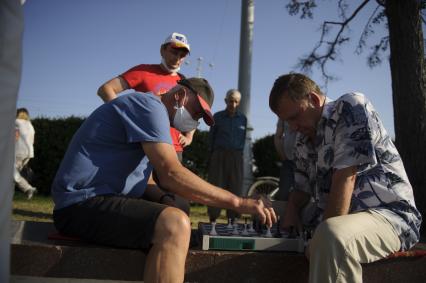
(101, 91)
(167, 181)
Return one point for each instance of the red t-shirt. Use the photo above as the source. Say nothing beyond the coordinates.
(152, 78)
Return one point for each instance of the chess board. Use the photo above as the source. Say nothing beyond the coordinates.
(254, 241)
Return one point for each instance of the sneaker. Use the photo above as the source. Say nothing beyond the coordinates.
(30, 192)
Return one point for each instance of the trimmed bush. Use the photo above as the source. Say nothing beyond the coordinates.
(195, 156)
(51, 141)
(265, 157)
(54, 134)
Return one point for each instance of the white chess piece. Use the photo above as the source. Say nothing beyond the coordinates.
(213, 230)
(245, 231)
(229, 226)
(268, 233)
(251, 229)
(235, 231)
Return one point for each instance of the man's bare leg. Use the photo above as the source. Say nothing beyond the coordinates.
(166, 259)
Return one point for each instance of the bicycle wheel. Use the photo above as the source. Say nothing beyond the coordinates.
(265, 186)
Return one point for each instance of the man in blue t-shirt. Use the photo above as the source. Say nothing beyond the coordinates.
(98, 187)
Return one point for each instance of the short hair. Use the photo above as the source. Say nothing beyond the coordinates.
(233, 92)
(22, 113)
(295, 85)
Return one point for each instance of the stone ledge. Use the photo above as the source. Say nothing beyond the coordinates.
(37, 256)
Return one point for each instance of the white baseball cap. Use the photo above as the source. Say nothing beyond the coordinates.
(177, 40)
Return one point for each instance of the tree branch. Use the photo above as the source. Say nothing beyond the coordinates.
(321, 59)
(366, 32)
(375, 57)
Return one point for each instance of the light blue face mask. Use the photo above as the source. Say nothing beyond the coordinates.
(183, 121)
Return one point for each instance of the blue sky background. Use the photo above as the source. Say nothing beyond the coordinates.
(72, 47)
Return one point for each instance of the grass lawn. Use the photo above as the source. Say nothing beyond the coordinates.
(40, 208)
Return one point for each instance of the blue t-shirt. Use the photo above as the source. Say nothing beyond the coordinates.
(105, 156)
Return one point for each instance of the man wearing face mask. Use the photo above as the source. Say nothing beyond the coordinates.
(158, 79)
(155, 78)
(98, 187)
(227, 138)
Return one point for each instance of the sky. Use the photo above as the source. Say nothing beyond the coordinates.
(72, 47)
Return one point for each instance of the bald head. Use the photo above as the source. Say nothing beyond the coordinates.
(232, 100)
(233, 93)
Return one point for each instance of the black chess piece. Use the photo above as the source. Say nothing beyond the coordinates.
(257, 225)
(293, 233)
(277, 230)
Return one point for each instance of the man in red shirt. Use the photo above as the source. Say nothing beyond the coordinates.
(158, 79)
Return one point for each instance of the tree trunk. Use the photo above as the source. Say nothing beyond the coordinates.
(408, 88)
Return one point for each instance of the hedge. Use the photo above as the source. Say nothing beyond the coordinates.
(265, 157)
(53, 136)
(51, 141)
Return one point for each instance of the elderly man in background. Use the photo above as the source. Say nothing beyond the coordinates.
(227, 139)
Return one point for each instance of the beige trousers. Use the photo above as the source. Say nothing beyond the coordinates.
(340, 244)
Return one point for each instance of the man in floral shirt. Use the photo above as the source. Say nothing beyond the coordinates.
(347, 165)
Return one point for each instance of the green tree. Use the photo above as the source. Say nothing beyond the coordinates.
(265, 157)
(405, 45)
(195, 156)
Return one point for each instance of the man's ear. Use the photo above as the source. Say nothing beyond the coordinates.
(314, 99)
(176, 95)
(179, 94)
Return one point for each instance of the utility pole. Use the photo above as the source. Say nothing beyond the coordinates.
(244, 83)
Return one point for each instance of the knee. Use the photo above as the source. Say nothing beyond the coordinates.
(328, 237)
(173, 224)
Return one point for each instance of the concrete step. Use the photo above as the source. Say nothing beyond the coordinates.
(33, 279)
(34, 255)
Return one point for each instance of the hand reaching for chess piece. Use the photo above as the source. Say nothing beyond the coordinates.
(261, 207)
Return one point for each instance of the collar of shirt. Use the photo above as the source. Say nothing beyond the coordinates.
(327, 111)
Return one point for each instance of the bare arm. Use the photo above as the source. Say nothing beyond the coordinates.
(342, 187)
(296, 201)
(177, 179)
(109, 90)
(154, 193)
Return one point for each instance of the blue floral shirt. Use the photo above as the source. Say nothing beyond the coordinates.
(350, 133)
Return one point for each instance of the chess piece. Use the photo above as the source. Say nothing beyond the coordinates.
(268, 233)
(251, 228)
(235, 231)
(278, 230)
(257, 226)
(213, 230)
(229, 226)
(245, 231)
